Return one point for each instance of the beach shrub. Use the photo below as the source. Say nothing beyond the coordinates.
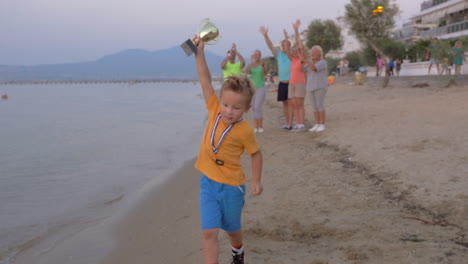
(332, 64)
(356, 59)
(417, 51)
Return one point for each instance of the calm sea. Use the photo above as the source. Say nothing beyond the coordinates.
(71, 155)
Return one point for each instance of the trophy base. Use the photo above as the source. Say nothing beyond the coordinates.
(188, 47)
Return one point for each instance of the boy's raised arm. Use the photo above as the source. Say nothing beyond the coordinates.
(204, 74)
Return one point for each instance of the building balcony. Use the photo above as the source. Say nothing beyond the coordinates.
(450, 31)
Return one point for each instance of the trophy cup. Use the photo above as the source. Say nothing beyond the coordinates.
(207, 31)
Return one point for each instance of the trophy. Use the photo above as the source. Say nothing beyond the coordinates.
(207, 31)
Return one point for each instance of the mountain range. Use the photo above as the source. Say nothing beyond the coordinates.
(131, 64)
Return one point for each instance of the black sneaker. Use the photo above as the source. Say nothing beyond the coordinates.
(237, 259)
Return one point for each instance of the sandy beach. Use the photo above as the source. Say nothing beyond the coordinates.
(385, 183)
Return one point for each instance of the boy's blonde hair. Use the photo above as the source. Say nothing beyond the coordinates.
(239, 84)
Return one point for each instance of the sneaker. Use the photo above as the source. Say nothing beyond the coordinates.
(286, 127)
(238, 258)
(299, 128)
(260, 130)
(255, 130)
(314, 128)
(320, 128)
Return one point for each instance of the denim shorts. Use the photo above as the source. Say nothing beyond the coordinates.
(221, 205)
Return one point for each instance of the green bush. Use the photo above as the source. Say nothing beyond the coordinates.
(332, 63)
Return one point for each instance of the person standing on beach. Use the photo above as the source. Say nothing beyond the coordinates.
(380, 65)
(297, 81)
(257, 71)
(317, 85)
(398, 66)
(229, 64)
(433, 54)
(227, 136)
(458, 56)
(284, 72)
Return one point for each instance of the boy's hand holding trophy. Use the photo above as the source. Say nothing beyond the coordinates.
(207, 31)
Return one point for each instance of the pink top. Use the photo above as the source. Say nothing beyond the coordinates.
(297, 75)
(380, 63)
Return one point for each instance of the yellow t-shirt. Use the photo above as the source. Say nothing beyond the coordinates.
(241, 137)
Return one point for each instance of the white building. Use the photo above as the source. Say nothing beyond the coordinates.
(350, 43)
(443, 19)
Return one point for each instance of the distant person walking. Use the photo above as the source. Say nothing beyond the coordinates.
(380, 65)
(433, 55)
(344, 67)
(391, 66)
(446, 66)
(229, 64)
(458, 56)
(398, 66)
(284, 72)
(257, 71)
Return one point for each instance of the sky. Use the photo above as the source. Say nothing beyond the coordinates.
(66, 31)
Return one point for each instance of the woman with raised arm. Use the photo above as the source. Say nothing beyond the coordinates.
(297, 82)
(229, 64)
(317, 85)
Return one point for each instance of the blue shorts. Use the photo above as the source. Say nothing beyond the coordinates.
(220, 205)
(282, 92)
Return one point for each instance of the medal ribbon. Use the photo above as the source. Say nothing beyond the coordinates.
(213, 132)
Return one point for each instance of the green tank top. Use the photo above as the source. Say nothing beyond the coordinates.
(232, 69)
(257, 77)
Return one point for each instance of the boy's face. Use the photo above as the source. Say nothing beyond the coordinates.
(233, 106)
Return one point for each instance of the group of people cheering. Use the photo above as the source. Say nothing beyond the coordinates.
(299, 72)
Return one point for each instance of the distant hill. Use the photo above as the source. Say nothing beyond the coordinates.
(132, 64)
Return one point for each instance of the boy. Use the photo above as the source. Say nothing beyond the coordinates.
(222, 188)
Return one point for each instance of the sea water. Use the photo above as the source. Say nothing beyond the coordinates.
(71, 153)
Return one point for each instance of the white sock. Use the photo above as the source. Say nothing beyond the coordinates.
(237, 251)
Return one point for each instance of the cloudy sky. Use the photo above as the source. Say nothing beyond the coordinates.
(62, 31)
